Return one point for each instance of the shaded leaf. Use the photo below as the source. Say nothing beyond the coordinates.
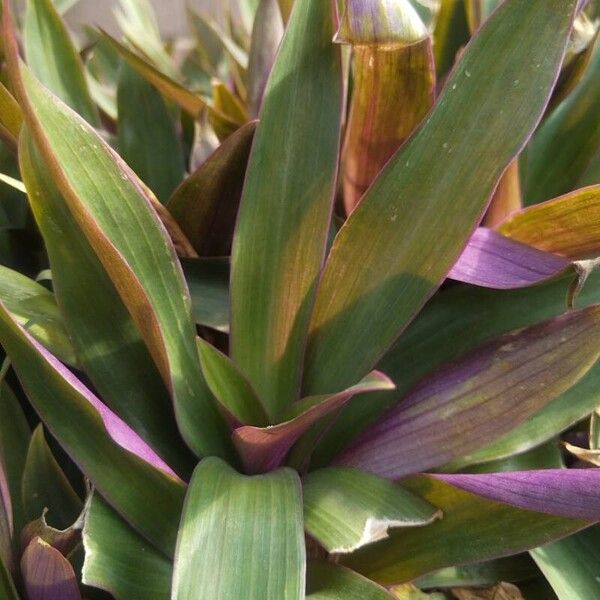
(119, 560)
(473, 529)
(263, 449)
(222, 556)
(566, 143)
(53, 58)
(45, 486)
(345, 509)
(288, 194)
(208, 281)
(14, 441)
(326, 581)
(47, 574)
(191, 103)
(502, 591)
(366, 299)
(570, 565)
(507, 197)
(480, 397)
(11, 118)
(205, 205)
(450, 34)
(154, 152)
(230, 387)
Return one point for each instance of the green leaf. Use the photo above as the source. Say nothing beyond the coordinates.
(35, 307)
(205, 205)
(230, 387)
(284, 215)
(220, 555)
(153, 152)
(124, 479)
(345, 509)
(472, 529)
(511, 568)
(7, 586)
(14, 441)
(450, 35)
(45, 486)
(11, 117)
(571, 565)
(119, 560)
(109, 348)
(415, 225)
(137, 20)
(567, 142)
(111, 207)
(62, 6)
(326, 581)
(52, 56)
(208, 281)
(191, 103)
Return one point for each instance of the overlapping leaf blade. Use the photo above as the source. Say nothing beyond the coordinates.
(105, 339)
(112, 208)
(480, 397)
(401, 241)
(101, 444)
(473, 529)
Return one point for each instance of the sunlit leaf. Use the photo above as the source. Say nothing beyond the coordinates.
(345, 509)
(288, 194)
(415, 225)
(260, 555)
(52, 56)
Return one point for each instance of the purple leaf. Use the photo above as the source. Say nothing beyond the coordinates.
(573, 493)
(494, 261)
(264, 448)
(468, 404)
(47, 574)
